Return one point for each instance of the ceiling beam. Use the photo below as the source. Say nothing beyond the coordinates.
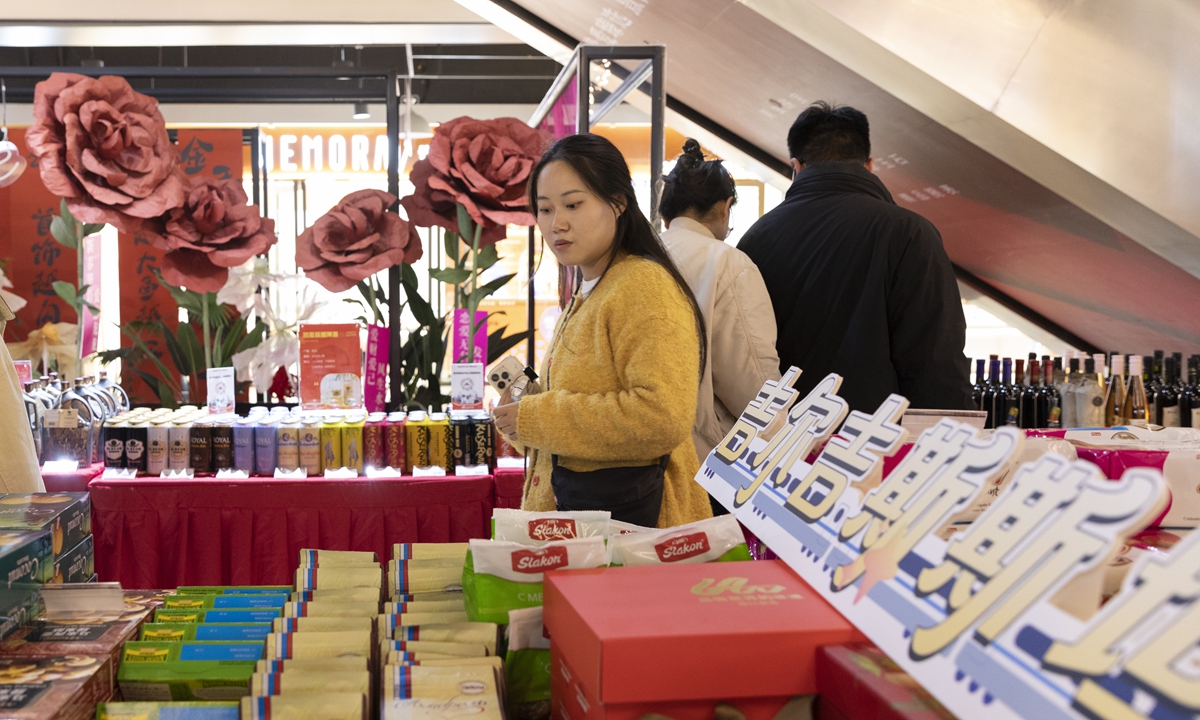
(258, 34)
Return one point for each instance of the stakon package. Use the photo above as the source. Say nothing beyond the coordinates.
(527, 664)
(501, 576)
(539, 528)
(717, 539)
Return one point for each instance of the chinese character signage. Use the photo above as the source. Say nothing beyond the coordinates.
(331, 367)
(379, 343)
(998, 620)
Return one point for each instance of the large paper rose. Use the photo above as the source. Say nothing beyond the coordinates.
(214, 230)
(103, 147)
(482, 164)
(355, 240)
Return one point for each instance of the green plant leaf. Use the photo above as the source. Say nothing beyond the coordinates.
(92, 228)
(486, 257)
(486, 289)
(179, 357)
(452, 276)
(122, 354)
(237, 331)
(166, 395)
(498, 345)
(129, 331)
(191, 346)
(95, 310)
(64, 233)
(450, 243)
(466, 227)
(66, 291)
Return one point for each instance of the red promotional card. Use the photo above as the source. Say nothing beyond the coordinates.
(330, 367)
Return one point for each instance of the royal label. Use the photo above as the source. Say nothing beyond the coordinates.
(682, 547)
(552, 529)
(539, 561)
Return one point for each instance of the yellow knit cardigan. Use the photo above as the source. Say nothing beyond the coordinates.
(621, 377)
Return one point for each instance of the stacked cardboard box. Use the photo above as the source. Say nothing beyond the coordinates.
(68, 519)
(203, 645)
(320, 656)
(436, 664)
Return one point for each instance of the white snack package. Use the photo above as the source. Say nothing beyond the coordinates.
(519, 563)
(616, 527)
(539, 528)
(703, 541)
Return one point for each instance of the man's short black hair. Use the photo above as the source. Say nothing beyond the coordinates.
(829, 133)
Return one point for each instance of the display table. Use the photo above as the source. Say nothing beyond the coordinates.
(74, 481)
(159, 533)
(510, 486)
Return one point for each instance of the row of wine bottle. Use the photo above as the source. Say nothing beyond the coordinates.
(1088, 391)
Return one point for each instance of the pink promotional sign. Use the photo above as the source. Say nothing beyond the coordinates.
(560, 121)
(24, 371)
(461, 337)
(90, 324)
(375, 378)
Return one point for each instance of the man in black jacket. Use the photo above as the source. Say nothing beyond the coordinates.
(861, 287)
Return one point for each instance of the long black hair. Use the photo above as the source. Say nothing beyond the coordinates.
(695, 184)
(603, 168)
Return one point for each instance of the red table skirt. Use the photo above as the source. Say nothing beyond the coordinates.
(153, 533)
(72, 482)
(510, 486)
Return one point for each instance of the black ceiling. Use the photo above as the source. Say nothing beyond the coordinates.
(443, 73)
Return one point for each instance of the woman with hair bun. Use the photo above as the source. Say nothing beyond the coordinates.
(696, 201)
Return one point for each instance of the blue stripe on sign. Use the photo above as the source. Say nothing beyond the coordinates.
(796, 527)
(900, 607)
(1006, 686)
(727, 473)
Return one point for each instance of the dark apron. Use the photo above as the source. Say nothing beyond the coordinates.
(632, 494)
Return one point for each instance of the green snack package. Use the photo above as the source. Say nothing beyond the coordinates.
(233, 590)
(527, 663)
(187, 670)
(167, 711)
(206, 632)
(717, 539)
(176, 616)
(501, 576)
(226, 602)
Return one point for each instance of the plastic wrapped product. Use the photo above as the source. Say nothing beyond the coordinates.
(428, 551)
(433, 647)
(337, 664)
(539, 528)
(310, 682)
(502, 576)
(336, 558)
(455, 595)
(353, 595)
(433, 618)
(424, 576)
(286, 646)
(424, 606)
(527, 664)
(437, 682)
(329, 706)
(322, 624)
(331, 609)
(478, 708)
(484, 634)
(717, 539)
(167, 711)
(397, 657)
(339, 578)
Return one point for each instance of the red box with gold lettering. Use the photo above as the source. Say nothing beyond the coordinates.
(685, 637)
(861, 681)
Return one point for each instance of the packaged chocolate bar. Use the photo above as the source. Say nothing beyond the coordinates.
(233, 590)
(205, 632)
(66, 516)
(307, 682)
(339, 577)
(432, 618)
(328, 706)
(335, 558)
(434, 647)
(397, 657)
(167, 711)
(429, 551)
(425, 606)
(425, 576)
(177, 616)
(76, 565)
(187, 671)
(286, 646)
(322, 624)
(225, 602)
(344, 595)
(411, 658)
(717, 539)
(539, 528)
(331, 609)
(478, 707)
(455, 595)
(470, 633)
(333, 664)
(502, 576)
(149, 599)
(54, 688)
(94, 636)
(433, 682)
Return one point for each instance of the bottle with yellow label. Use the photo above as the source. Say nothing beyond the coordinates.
(289, 444)
(310, 446)
(331, 443)
(441, 442)
(352, 441)
(418, 430)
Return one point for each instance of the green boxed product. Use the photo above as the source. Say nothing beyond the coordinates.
(76, 565)
(231, 602)
(167, 711)
(187, 670)
(66, 516)
(206, 632)
(191, 616)
(233, 590)
(25, 565)
(18, 609)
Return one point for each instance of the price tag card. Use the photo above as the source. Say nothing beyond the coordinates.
(340, 474)
(471, 470)
(297, 474)
(185, 474)
(386, 472)
(434, 471)
(60, 467)
(112, 473)
(510, 463)
(227, 474)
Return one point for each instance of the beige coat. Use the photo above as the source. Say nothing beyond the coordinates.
(741, 327)
(19, 470)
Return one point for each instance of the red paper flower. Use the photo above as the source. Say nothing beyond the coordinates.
(103, 147)
(355, 240)
(214, 230)
(483, 164)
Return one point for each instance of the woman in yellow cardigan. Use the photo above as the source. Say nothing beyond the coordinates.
(622, 372)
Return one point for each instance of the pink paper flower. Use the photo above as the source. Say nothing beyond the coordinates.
(355, 240)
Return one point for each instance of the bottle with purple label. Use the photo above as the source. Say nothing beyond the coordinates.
(266, 444)
(243, 445)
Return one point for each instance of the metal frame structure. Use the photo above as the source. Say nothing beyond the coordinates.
(653, 67)
(258, 173)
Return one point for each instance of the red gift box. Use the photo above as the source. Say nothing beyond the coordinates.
(861, 681)
(707, 633)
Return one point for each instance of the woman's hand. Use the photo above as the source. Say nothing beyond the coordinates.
(506, 418)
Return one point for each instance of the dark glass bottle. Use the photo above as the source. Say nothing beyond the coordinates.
(1029, 397)
(1008, 398)
(989, 393)
(1019, 378)
(1193, 392)
(1049, 401)
(980, 382)
(1166, 400)
(1180, 373)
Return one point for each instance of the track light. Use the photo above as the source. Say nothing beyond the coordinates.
(361, 111)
